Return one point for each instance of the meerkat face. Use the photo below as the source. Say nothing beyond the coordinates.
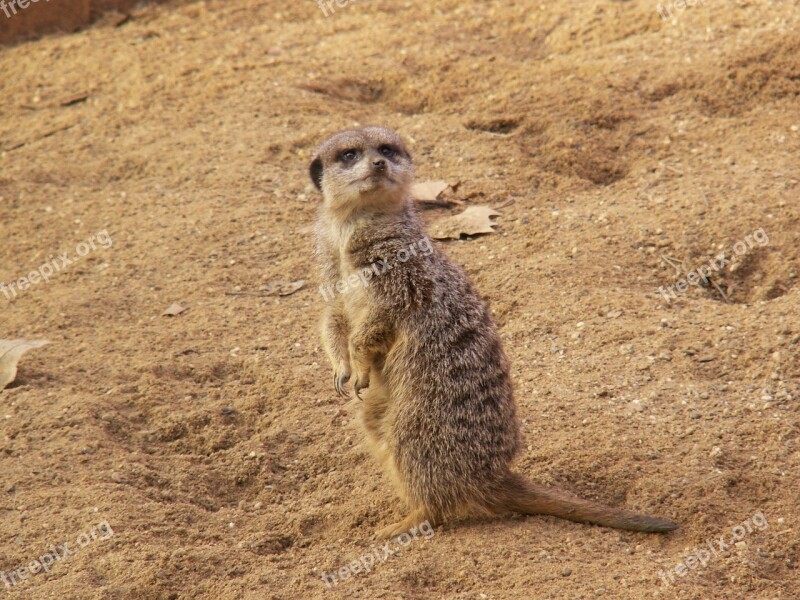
(363, 168)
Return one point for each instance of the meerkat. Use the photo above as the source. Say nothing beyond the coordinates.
(405, 324)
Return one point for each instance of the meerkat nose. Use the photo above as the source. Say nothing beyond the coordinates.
(379, 165)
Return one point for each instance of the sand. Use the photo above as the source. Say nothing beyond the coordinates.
(616, 143)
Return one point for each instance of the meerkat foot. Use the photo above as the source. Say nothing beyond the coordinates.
(410, 524)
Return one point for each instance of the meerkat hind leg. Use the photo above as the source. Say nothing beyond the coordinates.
(412, 521)
(374, 409)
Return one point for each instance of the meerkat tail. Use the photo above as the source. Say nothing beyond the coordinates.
(519, 495)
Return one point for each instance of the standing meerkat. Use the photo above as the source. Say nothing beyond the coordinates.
(405, 322)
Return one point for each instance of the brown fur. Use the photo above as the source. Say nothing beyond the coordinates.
(439, 413)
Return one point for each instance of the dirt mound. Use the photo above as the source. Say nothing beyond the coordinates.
(759, 75)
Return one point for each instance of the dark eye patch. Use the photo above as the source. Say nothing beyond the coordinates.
(315, 170)
(389, 150)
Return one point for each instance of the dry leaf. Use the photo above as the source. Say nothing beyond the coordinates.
(287, 288)
(283, 288)
(429, 191)
(174, 310)
(474, 220)
(10, 353)
(77, 98)
(273, 288)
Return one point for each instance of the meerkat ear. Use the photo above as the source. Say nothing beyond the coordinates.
(316, 172)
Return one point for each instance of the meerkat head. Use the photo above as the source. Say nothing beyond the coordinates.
(363, 168)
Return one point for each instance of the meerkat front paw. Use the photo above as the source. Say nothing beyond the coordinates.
(340, 377)
(361, 366)
(361, 381)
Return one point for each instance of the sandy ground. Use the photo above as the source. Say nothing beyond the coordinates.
(212, 443)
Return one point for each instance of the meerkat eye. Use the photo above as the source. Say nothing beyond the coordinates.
(387, 151)
(349, 155)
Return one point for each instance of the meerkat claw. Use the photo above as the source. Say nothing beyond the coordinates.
(338, 383)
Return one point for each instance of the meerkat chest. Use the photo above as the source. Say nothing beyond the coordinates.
(351, 283)
(338, 238)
